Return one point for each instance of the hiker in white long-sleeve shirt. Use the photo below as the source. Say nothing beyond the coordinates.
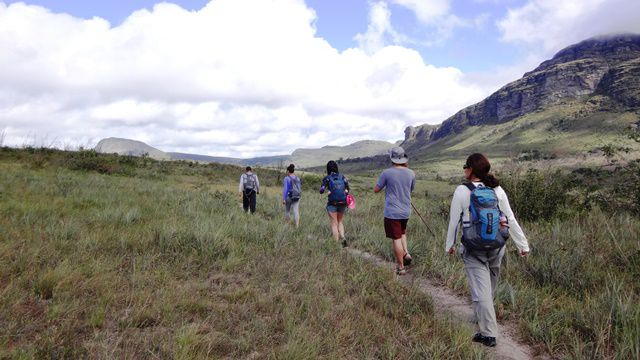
(249, 187)
(482, 258)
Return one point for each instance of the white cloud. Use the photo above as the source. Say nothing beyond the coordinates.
(427, 11)
(219, 81)
(380, 32)
(556, 24)
(437, 15)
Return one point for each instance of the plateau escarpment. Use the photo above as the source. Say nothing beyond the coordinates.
(608, 67)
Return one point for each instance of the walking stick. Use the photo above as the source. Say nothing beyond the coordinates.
(423, 220)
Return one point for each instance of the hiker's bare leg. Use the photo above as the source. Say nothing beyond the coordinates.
(405, 248)
(340, 216)
(398, 250)
(334, 225)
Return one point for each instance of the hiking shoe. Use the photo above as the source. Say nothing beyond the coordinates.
(401, 271)
(344, 243)
(484, 340)
(407, 260)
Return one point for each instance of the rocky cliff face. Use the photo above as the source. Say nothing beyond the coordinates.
(606, 65)
(622, 83)
(413, 133)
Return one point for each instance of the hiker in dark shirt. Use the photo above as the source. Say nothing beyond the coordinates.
(338, 188)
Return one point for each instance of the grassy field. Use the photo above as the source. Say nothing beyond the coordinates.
(158, 261)
(140, 259)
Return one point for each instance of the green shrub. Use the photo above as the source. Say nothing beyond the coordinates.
(627, 188)
(537, 195)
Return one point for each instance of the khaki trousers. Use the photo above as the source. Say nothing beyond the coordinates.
(483, 272)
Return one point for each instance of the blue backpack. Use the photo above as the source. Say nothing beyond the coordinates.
(295, 191)
(337, 187)
(483, 231)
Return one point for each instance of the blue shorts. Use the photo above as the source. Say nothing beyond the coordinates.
(336, 208)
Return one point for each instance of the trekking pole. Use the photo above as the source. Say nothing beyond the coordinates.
(423, 220)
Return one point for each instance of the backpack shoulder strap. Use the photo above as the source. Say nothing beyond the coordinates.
(470, 186)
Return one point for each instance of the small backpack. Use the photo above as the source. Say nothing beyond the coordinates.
(337, 187)
(295, 191)
(483, 231)
(250, 182)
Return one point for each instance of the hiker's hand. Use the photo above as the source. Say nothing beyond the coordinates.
(284, 202)
(452, 250)
(523, 253)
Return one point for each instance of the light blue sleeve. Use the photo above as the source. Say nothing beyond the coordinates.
(382, 181)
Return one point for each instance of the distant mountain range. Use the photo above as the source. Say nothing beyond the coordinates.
(300, 157)
(571, 104)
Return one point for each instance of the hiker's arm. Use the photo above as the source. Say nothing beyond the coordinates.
(515, 231)
(241, 184)
(455, 214)
(382, 182)
(285, 191)
(323, 186)
(346, 184)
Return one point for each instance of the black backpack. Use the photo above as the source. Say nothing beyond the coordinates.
(250, 182)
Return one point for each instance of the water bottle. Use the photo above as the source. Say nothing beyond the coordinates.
(504, 223)
(504, 226)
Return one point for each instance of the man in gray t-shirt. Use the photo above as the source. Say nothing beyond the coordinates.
(399, 181)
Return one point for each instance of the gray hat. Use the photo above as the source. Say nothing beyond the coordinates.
(398, 156)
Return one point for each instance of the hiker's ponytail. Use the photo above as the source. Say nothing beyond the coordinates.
(480, 167)
(491, 181)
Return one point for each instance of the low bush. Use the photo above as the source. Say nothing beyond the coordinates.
(538, 195)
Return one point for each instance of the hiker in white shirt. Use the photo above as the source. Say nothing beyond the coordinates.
(481, 265)
(249, 187)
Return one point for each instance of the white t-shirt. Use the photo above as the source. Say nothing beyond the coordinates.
(459, 212)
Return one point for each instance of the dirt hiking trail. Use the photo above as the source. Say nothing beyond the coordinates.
(446, 301)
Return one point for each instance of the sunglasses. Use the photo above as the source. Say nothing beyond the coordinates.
(465, 166)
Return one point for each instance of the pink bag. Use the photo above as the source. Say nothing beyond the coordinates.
(351, 202)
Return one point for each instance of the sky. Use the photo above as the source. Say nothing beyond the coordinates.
(245, 78)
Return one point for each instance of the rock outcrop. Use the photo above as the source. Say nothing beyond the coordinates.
(129, 147)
